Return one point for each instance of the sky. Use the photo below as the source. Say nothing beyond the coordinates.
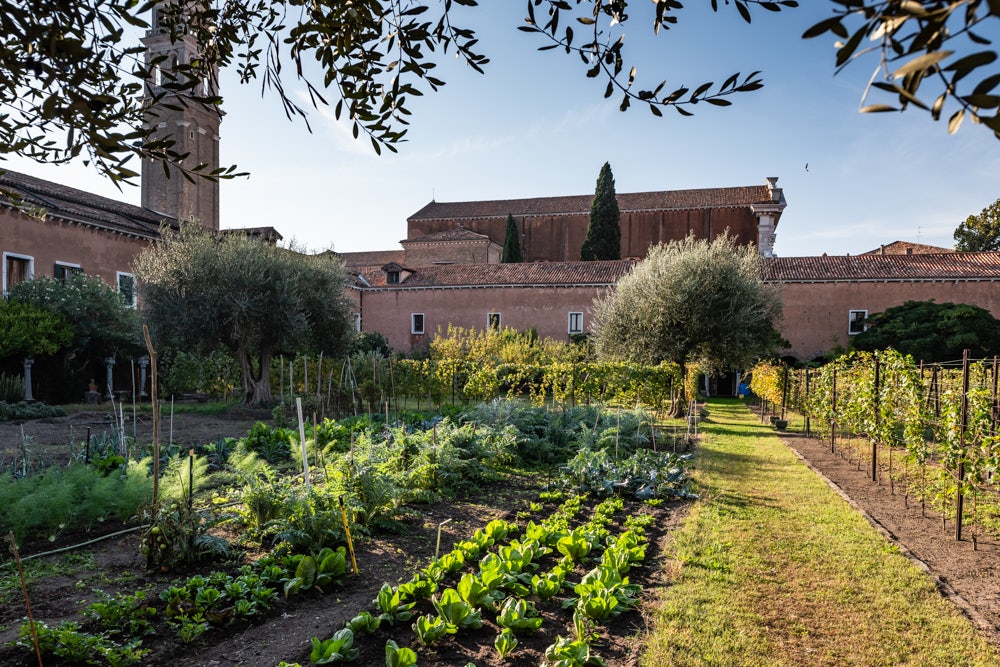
(535, 126)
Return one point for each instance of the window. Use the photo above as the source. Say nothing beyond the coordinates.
(392, 277)
(493, 321)
(856, 322)
(126, 287)
(16, 269)
(357, 322)
(63, 271)
(576, 323)
(416, 323)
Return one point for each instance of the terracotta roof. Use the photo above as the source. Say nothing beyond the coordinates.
(460, 233)
(72, 205)
(370, 260)
(577, 204)
(907, 248)
(509, 275)
(941, 266)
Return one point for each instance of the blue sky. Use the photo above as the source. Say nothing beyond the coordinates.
(535, 126)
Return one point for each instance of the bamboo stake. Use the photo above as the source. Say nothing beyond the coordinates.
(347, 531)
(302, 441)
(437, 549)
(156, 414)
(27, 600)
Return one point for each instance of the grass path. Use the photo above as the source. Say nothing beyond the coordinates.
(771, 567)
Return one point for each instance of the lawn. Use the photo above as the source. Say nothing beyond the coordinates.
(771, 567)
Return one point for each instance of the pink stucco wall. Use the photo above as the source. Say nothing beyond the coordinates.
(546, 309)
(49, 241)
(816, 314)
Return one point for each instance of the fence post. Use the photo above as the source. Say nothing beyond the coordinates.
(833, 412)
(959, 500)
(876, 422)
(806, 402)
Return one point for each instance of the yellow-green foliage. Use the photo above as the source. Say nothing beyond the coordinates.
(885, 398)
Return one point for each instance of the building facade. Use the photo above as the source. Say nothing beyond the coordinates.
(552, 229)
(409, 306)
(826, 299)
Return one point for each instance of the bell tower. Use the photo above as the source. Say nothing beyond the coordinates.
(193, 127)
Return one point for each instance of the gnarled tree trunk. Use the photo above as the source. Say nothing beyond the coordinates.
(256, 382)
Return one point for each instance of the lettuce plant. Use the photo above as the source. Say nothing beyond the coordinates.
(339, 648)
(505, 643)
(456, 612)
(430, 628)
(519, 615)
(396, 656)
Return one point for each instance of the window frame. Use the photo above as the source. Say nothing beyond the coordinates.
(392, 277)
(29, 273)
(134, 301)
(413, 324)
(851, 321)
(68, 268)
(490, 317)
(569, 322)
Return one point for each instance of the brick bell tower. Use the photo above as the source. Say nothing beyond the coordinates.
(194, 129)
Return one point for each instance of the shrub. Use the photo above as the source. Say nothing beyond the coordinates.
(272, 445)
(11, 388)
(24, 410)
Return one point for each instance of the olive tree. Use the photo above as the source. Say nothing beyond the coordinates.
(203, 291)
(691, 301)
(72, 77)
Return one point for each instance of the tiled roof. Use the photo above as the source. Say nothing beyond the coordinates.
(942, 266)
(370, 260)
(72, 205)
(907, 248)
(509, 275)
(577, 204)
(460, 233)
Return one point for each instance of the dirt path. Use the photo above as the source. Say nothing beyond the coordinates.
(966, 573)
(56, 439)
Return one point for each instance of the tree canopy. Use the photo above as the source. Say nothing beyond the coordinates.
(103, 323)
(201, 291)
(980, 232)
(512, 243)
(932, 332)
(31, 331)
(71, 74)
(691, 300)
(604, 235)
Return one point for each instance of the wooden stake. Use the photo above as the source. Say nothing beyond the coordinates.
(27, 601)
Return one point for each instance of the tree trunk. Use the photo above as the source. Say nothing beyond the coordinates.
(679, 408)
(256, 383)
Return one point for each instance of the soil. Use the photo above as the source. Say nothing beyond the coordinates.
(284, 635)
(53, 439)
(967, 573)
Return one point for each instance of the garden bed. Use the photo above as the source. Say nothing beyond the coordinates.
(61, 586)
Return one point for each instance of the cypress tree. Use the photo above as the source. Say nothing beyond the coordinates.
(511, 243)
(603, 233)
